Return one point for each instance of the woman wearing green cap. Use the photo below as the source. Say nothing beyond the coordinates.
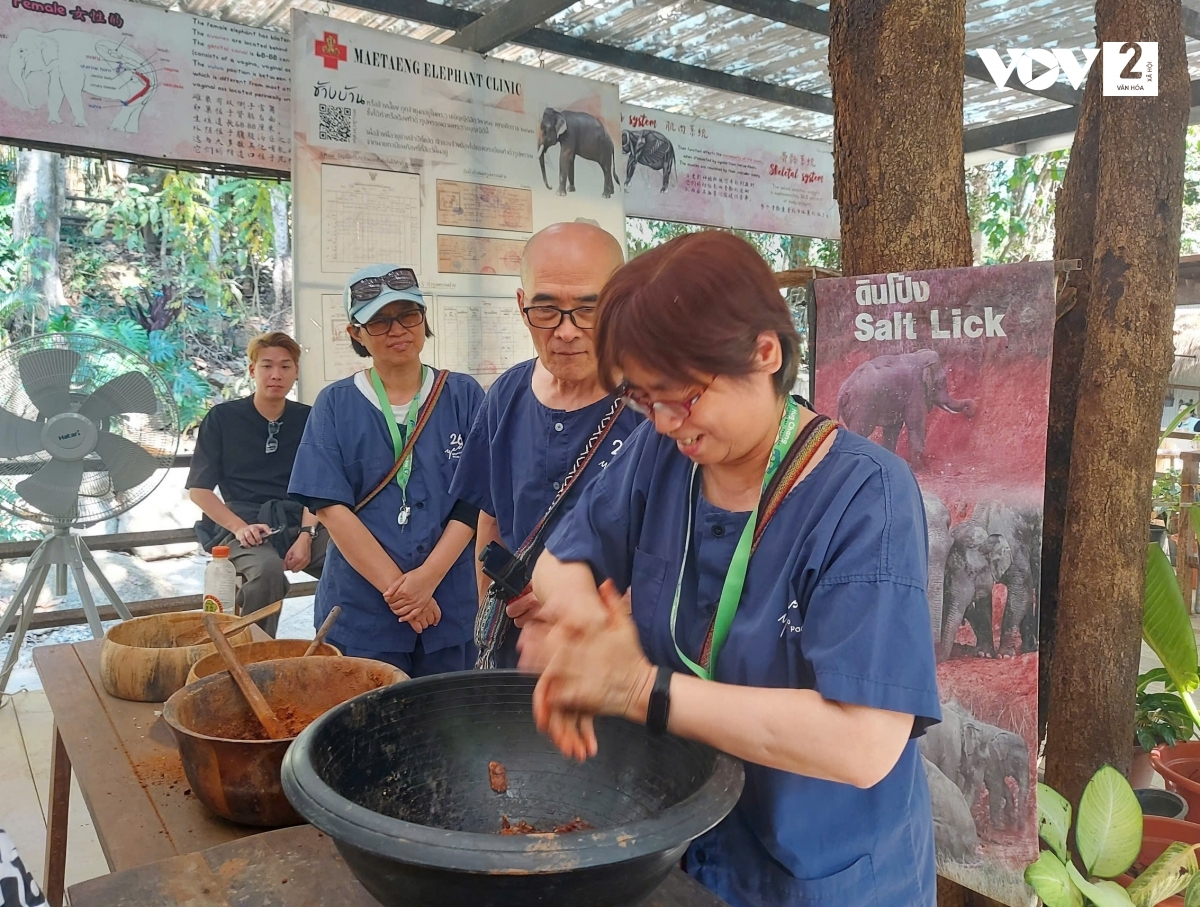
(400, 563)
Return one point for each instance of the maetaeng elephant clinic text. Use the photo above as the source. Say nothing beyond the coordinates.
(898, 289)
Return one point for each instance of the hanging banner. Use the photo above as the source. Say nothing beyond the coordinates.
(696, 171)
(432, 158)
(951, 370)
(133, 80)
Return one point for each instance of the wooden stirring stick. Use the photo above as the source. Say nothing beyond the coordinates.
(265, 714)
(325, 625)
(197, 636)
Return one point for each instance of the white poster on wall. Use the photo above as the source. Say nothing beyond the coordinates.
(125, 78)
(695, 171)
(427, 157)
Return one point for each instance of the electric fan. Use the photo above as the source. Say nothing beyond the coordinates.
(86, 429)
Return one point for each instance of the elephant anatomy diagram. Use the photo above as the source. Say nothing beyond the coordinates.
(967, 410)
(91, 74)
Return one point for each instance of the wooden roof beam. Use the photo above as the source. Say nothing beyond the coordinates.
(505, 22)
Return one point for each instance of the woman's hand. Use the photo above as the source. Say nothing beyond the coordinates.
(591, 663)
(411, 593)
(429, 616)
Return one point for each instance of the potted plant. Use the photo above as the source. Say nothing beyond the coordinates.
(1111, 838)
(1160, 719)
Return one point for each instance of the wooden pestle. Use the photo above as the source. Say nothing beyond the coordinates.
(196, 636)
(265, 714)
(325, 625)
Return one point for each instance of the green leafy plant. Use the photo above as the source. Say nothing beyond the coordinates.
(1167, 629)
(1160, 717)
(1108, 838)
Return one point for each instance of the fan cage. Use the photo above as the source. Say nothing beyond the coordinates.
(101, 360)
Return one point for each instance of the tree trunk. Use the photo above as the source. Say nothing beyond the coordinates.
(281, 275)
(979, 181)
(41, 195)
(1074, 238)
(1127, 354)
(896, 68)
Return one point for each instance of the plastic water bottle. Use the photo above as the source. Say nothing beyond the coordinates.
(220, 582)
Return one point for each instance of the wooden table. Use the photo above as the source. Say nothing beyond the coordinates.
(128, 767)
(291, 867)
(162, 846)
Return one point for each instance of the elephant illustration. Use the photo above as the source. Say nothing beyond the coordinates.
(898, 391)
(78, 63)
(978, 756)
(1008, 757)
(937, 519)
(650, 148)
(577, 134)
(998, 544)
(955, 837)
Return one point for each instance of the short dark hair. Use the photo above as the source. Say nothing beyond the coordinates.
(362, 350)
(694, 307)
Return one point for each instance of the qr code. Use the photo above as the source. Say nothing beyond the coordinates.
(337, 123)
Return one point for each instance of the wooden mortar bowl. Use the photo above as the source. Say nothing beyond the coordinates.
(139, 661)
(254, 652)
(233, 768)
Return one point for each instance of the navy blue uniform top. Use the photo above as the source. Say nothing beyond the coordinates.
(519, 451)
(346, 451)
(834, 601)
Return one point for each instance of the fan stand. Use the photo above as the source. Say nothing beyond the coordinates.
(60, 550)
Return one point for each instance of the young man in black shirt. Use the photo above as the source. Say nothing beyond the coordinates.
(246, 449)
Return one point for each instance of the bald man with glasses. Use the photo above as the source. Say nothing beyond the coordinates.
(538, 419)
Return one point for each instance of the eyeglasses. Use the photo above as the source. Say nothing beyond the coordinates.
(272, 441)
(550, 317)
(369, 288)
(377, 327)
(640, 402)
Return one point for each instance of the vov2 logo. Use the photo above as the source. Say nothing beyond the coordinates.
(1130, 69)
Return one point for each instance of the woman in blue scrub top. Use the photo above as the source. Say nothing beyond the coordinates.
(815, 665)
(401, 567)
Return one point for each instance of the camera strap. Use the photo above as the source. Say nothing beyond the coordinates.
(492, 622)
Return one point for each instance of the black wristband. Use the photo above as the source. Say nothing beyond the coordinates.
(659, 709)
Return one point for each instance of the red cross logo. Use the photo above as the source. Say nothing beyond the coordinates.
(330, 50)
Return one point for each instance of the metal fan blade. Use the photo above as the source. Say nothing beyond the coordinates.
(46, 377)
(18, 436)
(128, 464)
(128, 393)
(54, 489)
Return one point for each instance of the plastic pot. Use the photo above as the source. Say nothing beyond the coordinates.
(399, 779)
(1157, 834)
(1165, 804)
(1179, 766)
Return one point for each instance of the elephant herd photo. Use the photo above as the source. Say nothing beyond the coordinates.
(969, 416)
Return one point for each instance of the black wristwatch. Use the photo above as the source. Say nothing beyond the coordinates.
(658, 712)
(310, 531)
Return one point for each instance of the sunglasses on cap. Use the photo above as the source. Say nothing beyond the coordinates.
(367, 288)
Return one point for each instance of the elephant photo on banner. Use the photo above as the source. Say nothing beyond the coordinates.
(950, 370)
(67, 65)
(576, 134)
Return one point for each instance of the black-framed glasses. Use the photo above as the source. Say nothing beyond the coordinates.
(272, 440)
(382, 324)
(550, 317)
(640, 402)
(368, 288)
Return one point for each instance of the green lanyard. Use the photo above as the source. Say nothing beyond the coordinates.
(414, 409)
(731, 591)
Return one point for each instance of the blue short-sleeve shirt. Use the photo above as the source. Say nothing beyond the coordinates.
(519, 451)
(345, 452)
(834, 601)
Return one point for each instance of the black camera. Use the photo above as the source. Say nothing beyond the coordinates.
(506, 570)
